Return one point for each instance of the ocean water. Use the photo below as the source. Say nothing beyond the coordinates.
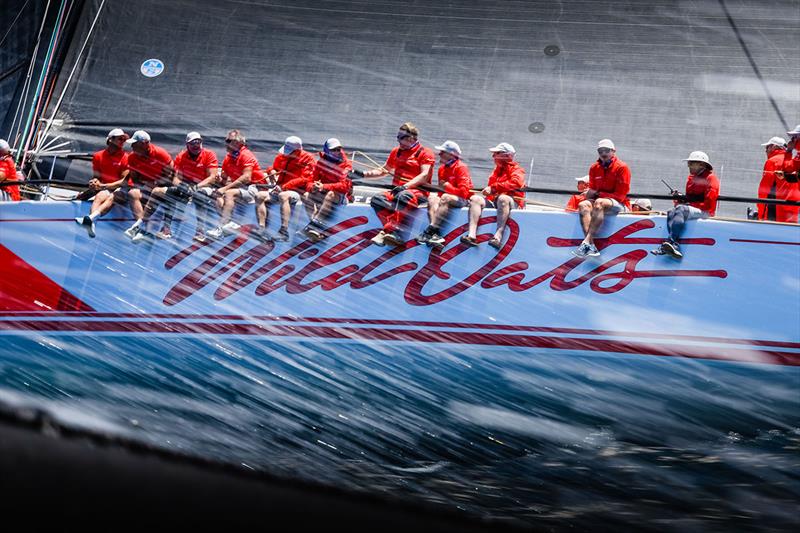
(563, 440)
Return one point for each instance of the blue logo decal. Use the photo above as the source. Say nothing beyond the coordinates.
(152, 68)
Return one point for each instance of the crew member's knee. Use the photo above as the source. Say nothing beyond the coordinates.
(504, 201)
(477, 200)
(379, 201)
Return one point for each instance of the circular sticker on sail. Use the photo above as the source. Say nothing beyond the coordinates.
(152, 68)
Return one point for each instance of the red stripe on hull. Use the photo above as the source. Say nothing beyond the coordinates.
(493, 339)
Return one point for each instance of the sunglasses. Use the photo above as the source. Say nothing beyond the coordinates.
(196, 141)
(401, 136)
(603, 150)
(229, 141)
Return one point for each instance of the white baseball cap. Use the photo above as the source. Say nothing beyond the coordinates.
(116, 132)
(503, 148)
(4, 145)
(139, 136)
(291, 144)
(331, 144)
(193, 135)
(795, 131)
(697, 155)
(779, 141)
(644, 203)
(583, 178)
(451, 147)
(606, 143)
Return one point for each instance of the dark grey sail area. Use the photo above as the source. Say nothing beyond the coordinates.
(660, 79)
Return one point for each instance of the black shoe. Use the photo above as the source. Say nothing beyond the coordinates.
(425, 236)
(672, 248)
(261, 234)
(393, 239)
(436, 241)
(283, 235)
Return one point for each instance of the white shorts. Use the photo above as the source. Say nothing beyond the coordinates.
(616, 207)
(247, 195)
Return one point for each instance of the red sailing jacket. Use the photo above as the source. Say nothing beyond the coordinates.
(507, 178)
(613, 181)
(150, 167)
(195, 170)
(455, 179)
(234, 166)
(574, 201)
(9, 171)
(109, 167)
(706, 185)
(294, 172)
(407, 163)
(788, 190)
(333, 175)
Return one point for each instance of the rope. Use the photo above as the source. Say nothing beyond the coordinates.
(49, 122)
(14, 22)
(26, 87)
(24, 142)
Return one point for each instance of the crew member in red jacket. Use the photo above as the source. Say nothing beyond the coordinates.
(699, 201)
(328, 187)
(411, 166)
(8, 172)
(193, 165)
(241, 175)
(456, 183)
(289, 174)
(609, 184)
(150, 166)
(787, 184)
(503, 192)
(575, 200)
(109, 174)
(767, 188)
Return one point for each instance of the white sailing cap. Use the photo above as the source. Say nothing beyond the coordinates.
(503, 148)
(4, 145)
(643, 203)
(779, 141)
(139, 136)
(606, 143)
(795, 131)
(332, 144)
(193, 135)
(697, 155)
(583, 178)
(116, 132)
(291, 144)
(451, 147)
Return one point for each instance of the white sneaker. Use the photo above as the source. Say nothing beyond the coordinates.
(593, 251)
(163, 236)
(141, 236)
(230, 228)
(582, 250)
(87, 223)
(133, 230)
(378, 239)
(215, 233)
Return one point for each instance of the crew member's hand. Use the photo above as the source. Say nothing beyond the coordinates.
(95, 184)
(779, 174)
(397, 190)
(318, 187)
(486, 191)
(358, 173)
